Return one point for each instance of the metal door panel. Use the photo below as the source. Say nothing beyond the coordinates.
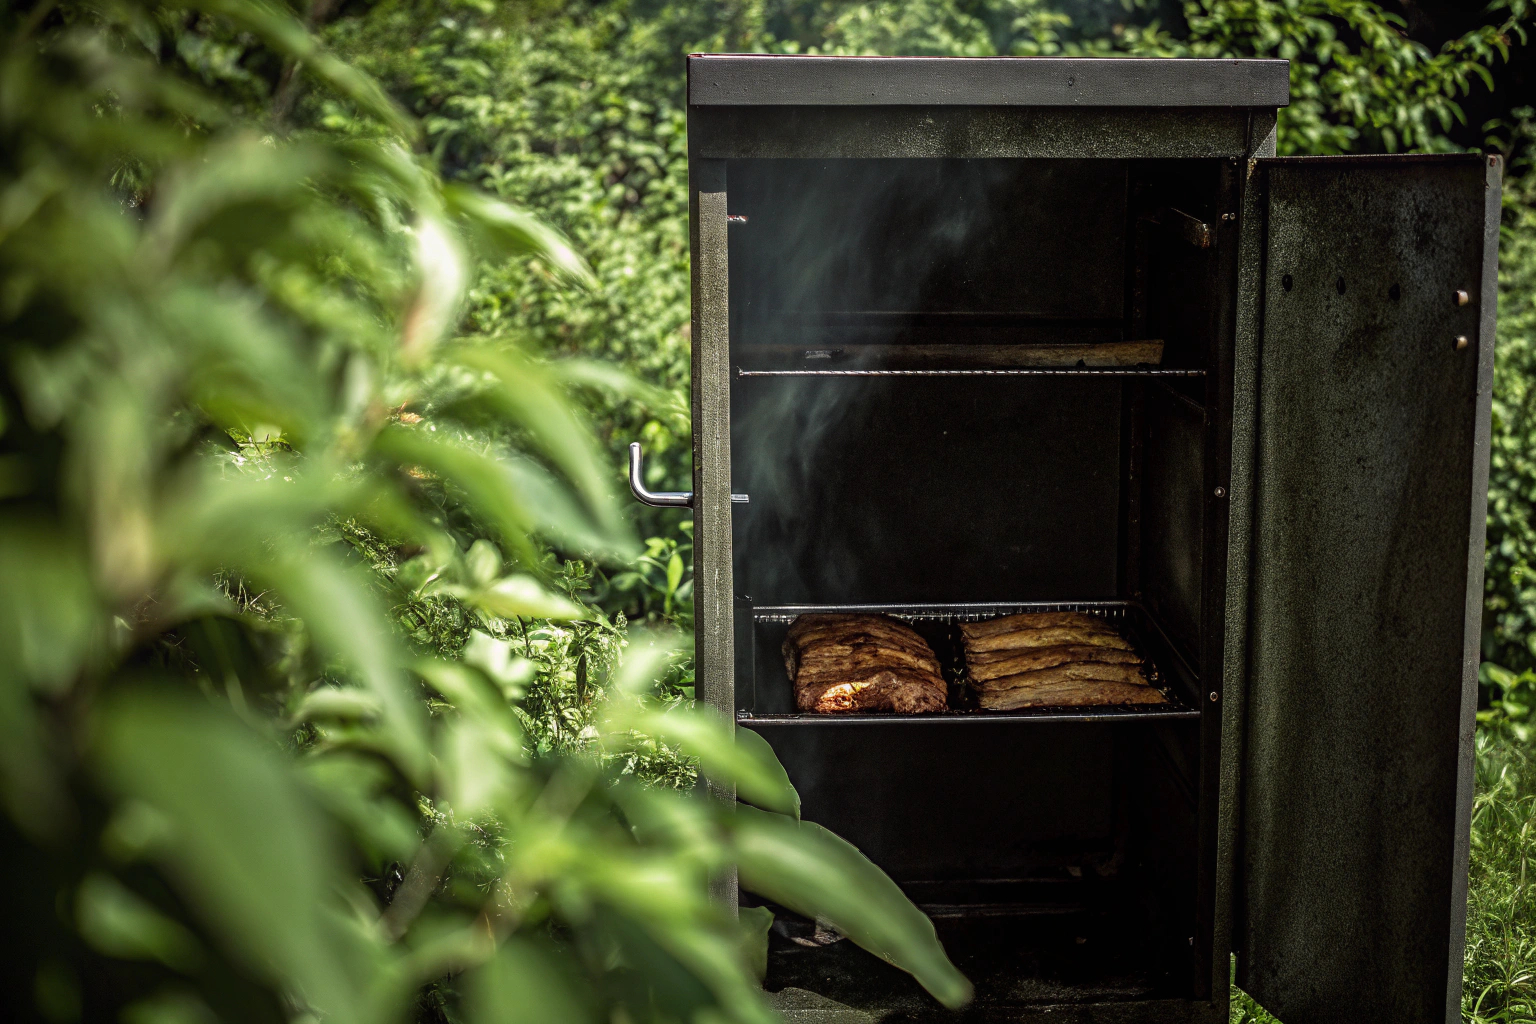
(1370, 481)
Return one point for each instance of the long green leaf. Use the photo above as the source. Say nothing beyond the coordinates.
(804, 867)
(529, 397)
(248, 849)
(516, 232)
(728, 755)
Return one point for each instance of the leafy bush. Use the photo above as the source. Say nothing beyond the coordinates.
(1509, 620)
(282, 468)
(1500, 984)
(299, 716)
(579, 109)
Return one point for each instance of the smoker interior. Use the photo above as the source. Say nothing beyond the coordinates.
(928, 416)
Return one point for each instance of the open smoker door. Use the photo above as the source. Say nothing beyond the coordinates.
(1370, 470)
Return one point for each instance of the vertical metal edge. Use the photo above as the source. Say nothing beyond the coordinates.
(1466, 767)
(1234, 683)
(714, 603)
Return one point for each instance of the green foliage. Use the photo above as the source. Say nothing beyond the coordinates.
(1245, 1011)
(1511, 701)
(1509, 619)
(1358, 83)
(581, 106)
(578, 110)
(1500, 980)
(297, 463)
(300, 714)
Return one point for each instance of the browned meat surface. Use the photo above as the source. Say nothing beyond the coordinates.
(1071, 693)
(996, 664)
(1075, 670)
(811, 629)
(1053, 659)
(848, 663)
(1052, 636)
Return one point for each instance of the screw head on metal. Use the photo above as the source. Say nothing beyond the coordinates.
(1462, 341)
(1220, 492)
(1462, 298)
(1215, 696)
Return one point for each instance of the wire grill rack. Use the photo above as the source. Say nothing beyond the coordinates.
(1130, 617)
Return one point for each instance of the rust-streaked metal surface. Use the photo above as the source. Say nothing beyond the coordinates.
(1370, 473)
(754, 79)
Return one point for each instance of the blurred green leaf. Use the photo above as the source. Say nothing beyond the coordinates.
(728, 755)
(174, 1006)
(441, 279)
(804, 867)
(251, 851)
(483, 561)
(287, 35)
(355, 790)
(120, 923)
(755, 923)
(347, 622)
(515, 596)
(47, 630)
(525, 983)
(526, 394)
(515, 233)
(336, 702)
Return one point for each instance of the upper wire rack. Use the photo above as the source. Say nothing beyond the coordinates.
(1076, 371)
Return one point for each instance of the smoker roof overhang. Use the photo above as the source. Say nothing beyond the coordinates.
(755, 80)
(755, 106)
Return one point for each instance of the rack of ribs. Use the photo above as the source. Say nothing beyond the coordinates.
(841, 663)
(1052, 659)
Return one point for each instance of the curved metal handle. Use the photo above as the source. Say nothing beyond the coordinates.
(660, 499)
(655, 499)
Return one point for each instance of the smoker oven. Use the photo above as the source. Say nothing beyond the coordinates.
(982, 336)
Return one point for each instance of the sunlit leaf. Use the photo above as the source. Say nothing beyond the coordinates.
(530, 398)
(515, 232)
(728, 755)
(514, 596)
(441, 279)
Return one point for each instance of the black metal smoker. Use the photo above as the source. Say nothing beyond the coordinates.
(979, 336)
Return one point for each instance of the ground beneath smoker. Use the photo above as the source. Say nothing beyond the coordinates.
(1013, 962)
